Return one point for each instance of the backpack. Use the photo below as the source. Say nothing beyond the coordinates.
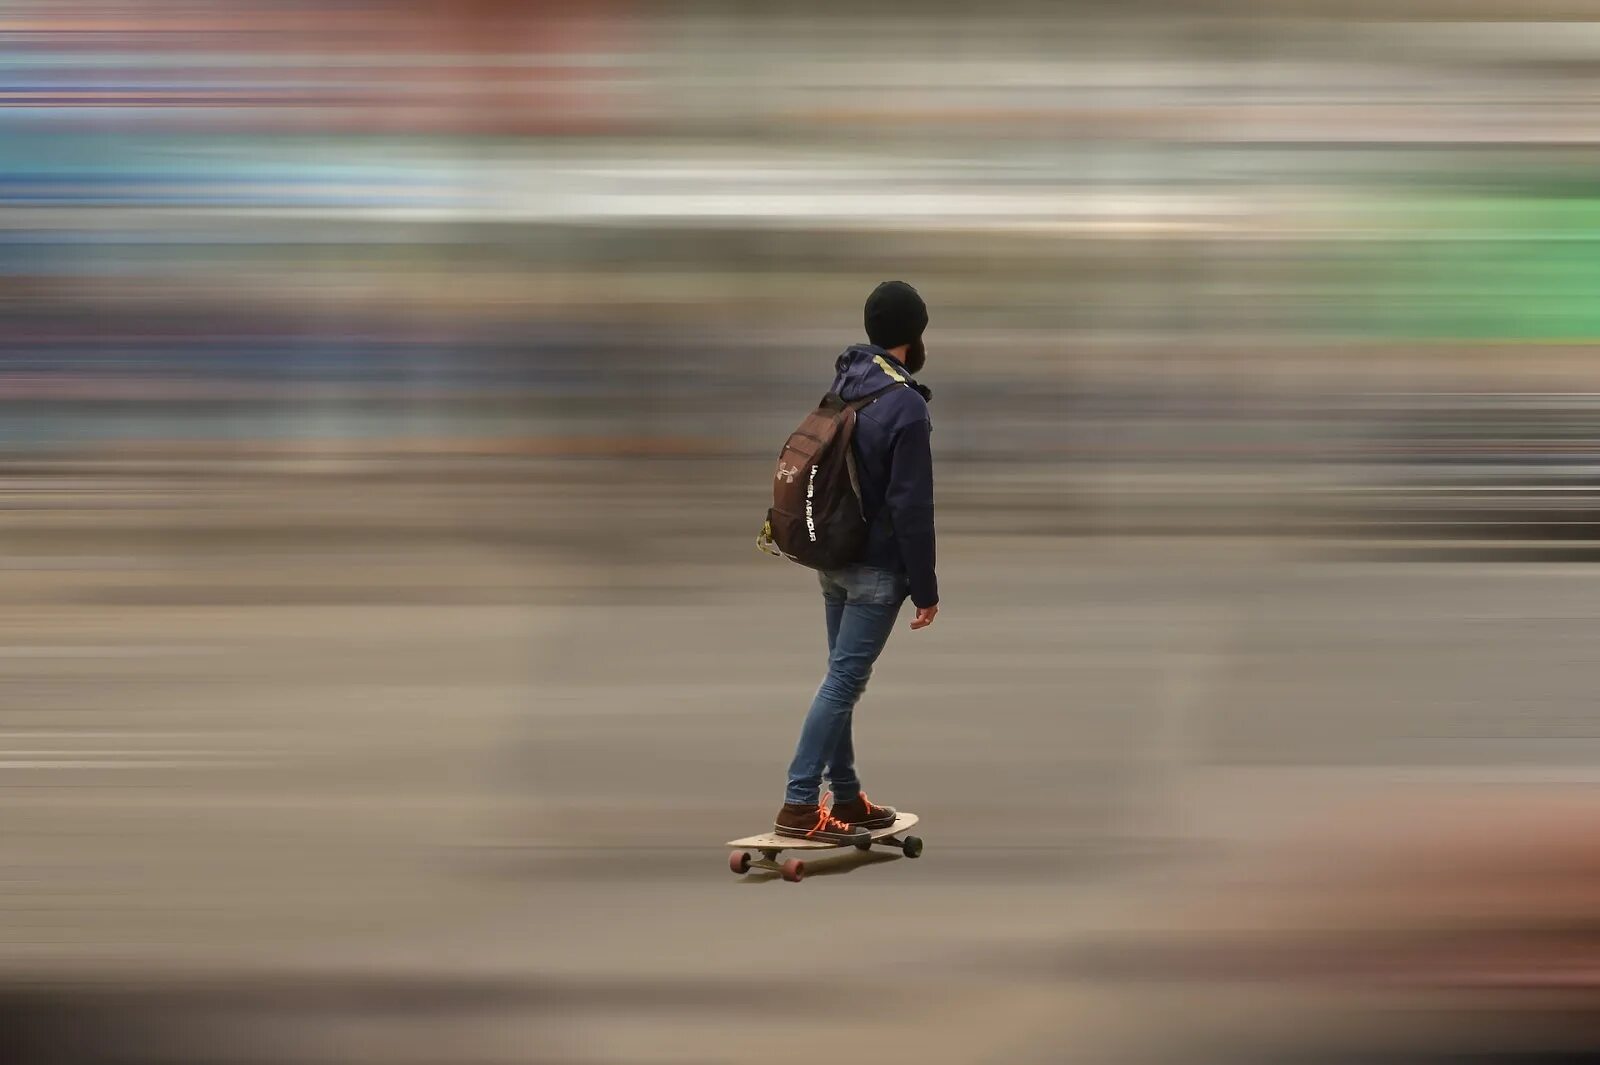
(816, 517)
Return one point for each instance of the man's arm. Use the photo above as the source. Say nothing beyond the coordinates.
(909, 499)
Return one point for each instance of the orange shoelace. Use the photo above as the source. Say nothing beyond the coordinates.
(825, 819)
(871, 809)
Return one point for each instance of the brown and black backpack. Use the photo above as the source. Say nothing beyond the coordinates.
(816, 517)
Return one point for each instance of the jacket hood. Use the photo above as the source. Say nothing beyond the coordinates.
(865, 368)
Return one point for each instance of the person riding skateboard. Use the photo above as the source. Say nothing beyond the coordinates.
(894, 465)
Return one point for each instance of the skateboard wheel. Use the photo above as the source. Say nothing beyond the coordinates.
(794, 870)
(912, 847)
(739, 862)
(864, 843)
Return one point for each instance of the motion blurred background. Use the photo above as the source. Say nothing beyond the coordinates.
(388, 396)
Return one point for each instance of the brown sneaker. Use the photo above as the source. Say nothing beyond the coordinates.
(862, 814)
(812, 821)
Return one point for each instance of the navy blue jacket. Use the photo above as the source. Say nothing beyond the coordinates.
(894, 465)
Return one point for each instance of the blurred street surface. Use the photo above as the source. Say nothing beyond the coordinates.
(448, 770)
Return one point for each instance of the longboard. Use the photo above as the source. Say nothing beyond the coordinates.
(794, 870)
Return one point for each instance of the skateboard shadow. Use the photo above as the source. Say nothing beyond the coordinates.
(834, 865)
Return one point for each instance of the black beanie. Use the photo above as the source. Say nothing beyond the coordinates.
(895, 315)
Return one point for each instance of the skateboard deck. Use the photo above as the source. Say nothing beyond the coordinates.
(770, 843)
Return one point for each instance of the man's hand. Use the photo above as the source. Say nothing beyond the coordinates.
(925, 616)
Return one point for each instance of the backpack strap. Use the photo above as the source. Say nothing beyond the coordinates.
(857, 404)
(834, 401)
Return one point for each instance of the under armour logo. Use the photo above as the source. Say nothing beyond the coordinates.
(787, 473)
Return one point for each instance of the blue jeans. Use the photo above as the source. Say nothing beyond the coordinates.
(862, 603)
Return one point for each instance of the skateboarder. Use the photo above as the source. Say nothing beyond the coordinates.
(862, 601)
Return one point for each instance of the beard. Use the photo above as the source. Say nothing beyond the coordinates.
(916, 356)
